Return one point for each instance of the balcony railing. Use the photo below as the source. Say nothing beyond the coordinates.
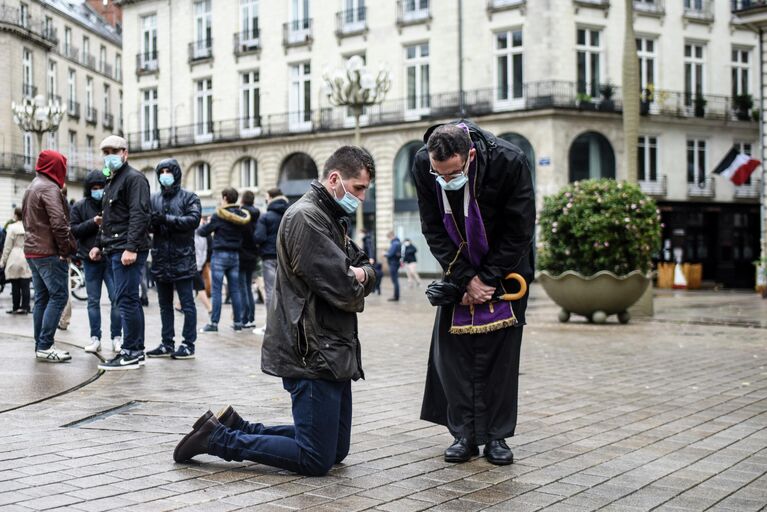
(599, 4)
(73, 109)
(146, 62)
(742, 5)
(705, 188)
(88, 60)
(351, 22)
(247, 42)
(28, 27)
(55, 98)
(28, 90)
(77, 173)
(749, 191)
(699, 10)
(502, 5)
(297, 32)
(200, 50)
(528, 97)
(651, 7)
(109, 121)
(14, 162)
(655, 188)
(105, 68)
(91, 115)
(72, 53)
(410, 12)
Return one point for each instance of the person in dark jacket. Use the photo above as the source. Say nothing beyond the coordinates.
(265, 238)
(393, 257)
(175, 217)
(85, 220)
(409, 259)
(477, 206)
(124, 242)
(48, 245)
(228, 225)
(311, 336)
(248, 261)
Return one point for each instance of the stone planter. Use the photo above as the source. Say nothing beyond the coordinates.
(595, 297)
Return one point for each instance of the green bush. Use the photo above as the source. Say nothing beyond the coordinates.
(595, 225)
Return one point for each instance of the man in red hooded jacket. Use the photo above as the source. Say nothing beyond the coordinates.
(48, 245)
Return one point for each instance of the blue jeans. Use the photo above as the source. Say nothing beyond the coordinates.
(185, 291)
(246, 291)
(319, 438)
(50, 278)
(97, 274)
(394, 274)
(225, 263)
(127, 281)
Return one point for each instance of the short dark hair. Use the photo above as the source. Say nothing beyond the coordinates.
(350, 161)
(248, 197)
(274, 192)
(230, 194)
(17, 212)
(446, 141)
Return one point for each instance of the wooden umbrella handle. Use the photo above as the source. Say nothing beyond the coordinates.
(522, 287)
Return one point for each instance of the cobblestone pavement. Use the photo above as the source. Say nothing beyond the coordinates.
(668, 414)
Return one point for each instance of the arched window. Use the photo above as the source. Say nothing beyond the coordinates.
(522, 143)
(296, 173)
(248, 170)
(404, 189)
(591, 156)
(201, 177)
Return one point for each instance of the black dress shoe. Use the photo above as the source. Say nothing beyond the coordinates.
(196, 441)
(228, 417)
(498, 453)
(461, 451)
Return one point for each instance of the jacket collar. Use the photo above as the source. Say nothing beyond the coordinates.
(321, 196)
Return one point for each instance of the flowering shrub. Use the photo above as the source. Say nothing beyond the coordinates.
(595, 225)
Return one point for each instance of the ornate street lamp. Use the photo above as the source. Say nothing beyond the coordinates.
(356, 87)
(37, 116)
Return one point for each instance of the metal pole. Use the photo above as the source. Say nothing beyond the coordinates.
(460, 58)
(357, 142)
(762, 198)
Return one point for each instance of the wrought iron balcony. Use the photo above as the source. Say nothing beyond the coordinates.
(655, 188)
(701, 11)
(705, 188)
(200, 50)
(297, 33)
(88, 60)
(743, 5)
(247, 42)
(649, 7)
(73, 109)
(410, 13)
(146, 62)
(72, 53)
(28, 26)
(750, 190)
(109, 121)
(351, 22)
(55, 98)
(91, 115)
(28, 90)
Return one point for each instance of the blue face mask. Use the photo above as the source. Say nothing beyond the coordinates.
(456, 183)
(113, 162)
(349, 203)
(97, 194)
(166, 180)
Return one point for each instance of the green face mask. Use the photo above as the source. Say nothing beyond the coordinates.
(106, 172)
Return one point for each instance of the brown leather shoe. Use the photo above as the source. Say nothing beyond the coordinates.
(196, 441)
(228, 417)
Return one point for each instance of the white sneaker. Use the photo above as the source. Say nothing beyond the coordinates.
(259, 331)
(52, 355)
(94, 345)
(117, 343)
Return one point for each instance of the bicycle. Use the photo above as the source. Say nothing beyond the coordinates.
(77, 282)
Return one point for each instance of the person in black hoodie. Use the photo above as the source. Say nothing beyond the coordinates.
(85, 220)
(124, 242)
(266, 239)
(175, 216)
(248, 261)
(228, 225)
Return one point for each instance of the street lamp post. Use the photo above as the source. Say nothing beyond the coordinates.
(36, 116)
(355, 87)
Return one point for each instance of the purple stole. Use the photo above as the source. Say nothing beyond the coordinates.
(492, 315)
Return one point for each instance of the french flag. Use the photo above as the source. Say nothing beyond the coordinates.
(736, 166)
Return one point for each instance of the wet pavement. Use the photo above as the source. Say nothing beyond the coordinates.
(668, 413)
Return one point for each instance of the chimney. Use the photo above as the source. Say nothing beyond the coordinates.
(111, 12)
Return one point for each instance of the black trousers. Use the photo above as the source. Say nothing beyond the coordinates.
(20, 293)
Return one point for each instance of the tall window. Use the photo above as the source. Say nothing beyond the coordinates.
(508, 69)
(696, 161)
(72, 154)
(415, 9)
(149, 117)
(86, 50)
(103, 59)
(740, 69)
(107, 102)
(248, 173)
(72, 89)
(27, 78)
(249, 15)
(299, 20)
(120, 110)
(250, 101)
(588, 46)
(118, 67)
(693, 72)
(29, 150)
(202, 177)
(52, 80)
(89, 151)
(202, 29)
(648, 158)
(646, 54)
(203, 112)
(354, 14)
(149, 41)
(53, 140)
(300, 96)
(68, 41)
(24, 15)
(417, 72)
(88, 93)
